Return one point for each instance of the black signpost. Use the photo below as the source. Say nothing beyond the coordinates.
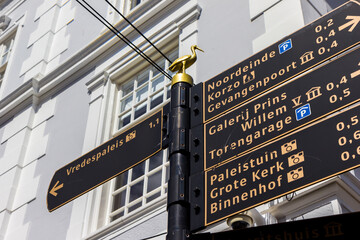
(259, 133)
(308, 47)
(247, 136)
(106, 161)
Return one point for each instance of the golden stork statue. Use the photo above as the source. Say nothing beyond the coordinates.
(183, 63)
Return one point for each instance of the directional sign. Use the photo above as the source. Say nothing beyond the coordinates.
(106, 161)
(287, 108)
(336, 227)
(323, 39)
(314, 154)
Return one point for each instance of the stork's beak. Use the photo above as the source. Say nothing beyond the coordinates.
(199, 49)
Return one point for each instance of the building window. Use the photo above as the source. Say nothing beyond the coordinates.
(4, 3)
(140, 186)
(1, 78)
(143, 93)
(6, 47)
(5, 50)
(128, 5)
(134, 3)
(146, 183)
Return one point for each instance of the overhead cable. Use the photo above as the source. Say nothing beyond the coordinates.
(116, 10)
(98, 16)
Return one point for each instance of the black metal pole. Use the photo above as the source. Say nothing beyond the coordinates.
(178, 199)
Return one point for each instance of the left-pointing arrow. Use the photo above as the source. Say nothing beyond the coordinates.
(55, 188)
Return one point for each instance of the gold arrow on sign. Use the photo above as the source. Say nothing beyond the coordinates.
(55, 188)
(353, 23)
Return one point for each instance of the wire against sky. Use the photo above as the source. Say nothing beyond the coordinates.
(116, 10)
(98, 16)
(122, 37)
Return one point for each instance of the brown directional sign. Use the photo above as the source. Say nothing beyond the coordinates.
(314, 154)
(324, 38)
(287, 108)
(336, 227)
(106, 161)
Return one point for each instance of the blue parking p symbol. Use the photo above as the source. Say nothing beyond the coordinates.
(285, 46)
(303, 112)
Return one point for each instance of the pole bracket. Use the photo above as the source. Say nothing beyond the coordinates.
(179, 185)
(180, 141)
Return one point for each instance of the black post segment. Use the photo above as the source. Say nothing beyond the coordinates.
(178, 199)
(197, 105)
(166, 126)
(197, 149)
(197, 199)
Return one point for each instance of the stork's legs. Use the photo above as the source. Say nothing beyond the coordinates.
(183, 67)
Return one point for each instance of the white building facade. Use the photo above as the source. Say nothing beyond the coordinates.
(67, 85)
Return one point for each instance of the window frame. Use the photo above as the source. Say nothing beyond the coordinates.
(8, 36)
(6, 50)
(163, 168)
(104, 96)
(136, 88)
(127, 7)
(131, 82)
(133, 4)
(99, 200)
